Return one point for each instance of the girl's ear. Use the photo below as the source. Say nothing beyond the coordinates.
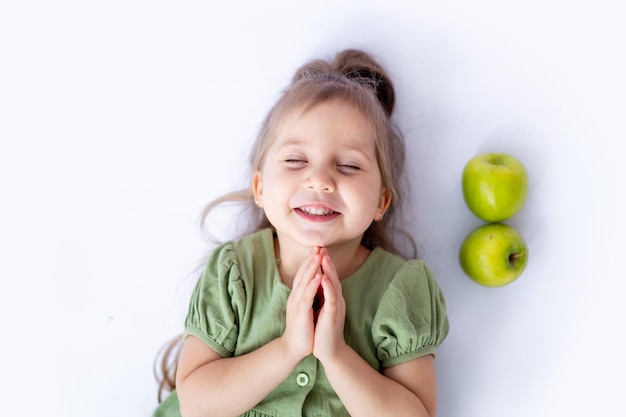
(383, 204)
(257, 188)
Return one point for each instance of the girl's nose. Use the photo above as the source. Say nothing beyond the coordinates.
(320, 182)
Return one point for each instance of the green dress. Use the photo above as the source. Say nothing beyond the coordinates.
(395, 312)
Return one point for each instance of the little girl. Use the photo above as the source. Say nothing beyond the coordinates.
(315, 313)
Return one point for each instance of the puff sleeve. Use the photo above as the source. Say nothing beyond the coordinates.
(217, 302)
(411, 320)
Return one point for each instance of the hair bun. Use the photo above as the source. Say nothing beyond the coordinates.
(361, 67)
(358, 66)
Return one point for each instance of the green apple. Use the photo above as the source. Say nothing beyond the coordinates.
(495, 186)
(493, 254)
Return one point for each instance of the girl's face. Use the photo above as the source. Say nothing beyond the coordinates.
(320, 184)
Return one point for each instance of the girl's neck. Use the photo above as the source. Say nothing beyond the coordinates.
(347, 258)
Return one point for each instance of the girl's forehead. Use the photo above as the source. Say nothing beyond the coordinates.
(336, 118)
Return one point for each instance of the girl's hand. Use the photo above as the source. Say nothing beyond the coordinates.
(329, 337)
(299, 327)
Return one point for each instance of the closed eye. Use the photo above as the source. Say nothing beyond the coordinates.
(293, 163)
(348, 167)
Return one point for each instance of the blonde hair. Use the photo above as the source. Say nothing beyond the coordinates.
(355, 78)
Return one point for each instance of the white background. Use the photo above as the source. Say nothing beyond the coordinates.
(119, 120)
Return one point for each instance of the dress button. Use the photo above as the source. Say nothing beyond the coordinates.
(302, 379)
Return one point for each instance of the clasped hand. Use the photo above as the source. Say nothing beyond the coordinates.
(303, 335)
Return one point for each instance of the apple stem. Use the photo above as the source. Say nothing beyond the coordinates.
(514, 257)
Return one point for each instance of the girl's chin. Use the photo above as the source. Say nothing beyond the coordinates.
(304, 239)
(310, 240)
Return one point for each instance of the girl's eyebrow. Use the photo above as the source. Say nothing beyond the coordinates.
(291, 142)
(358, 150)
(295, 142)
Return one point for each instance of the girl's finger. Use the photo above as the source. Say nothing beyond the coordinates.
(307, 269)
(314, 285)
(330, 291)
(329, 269)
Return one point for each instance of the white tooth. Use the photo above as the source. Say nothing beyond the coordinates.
(317, 211)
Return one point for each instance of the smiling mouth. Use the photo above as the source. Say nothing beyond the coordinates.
(317, 213)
